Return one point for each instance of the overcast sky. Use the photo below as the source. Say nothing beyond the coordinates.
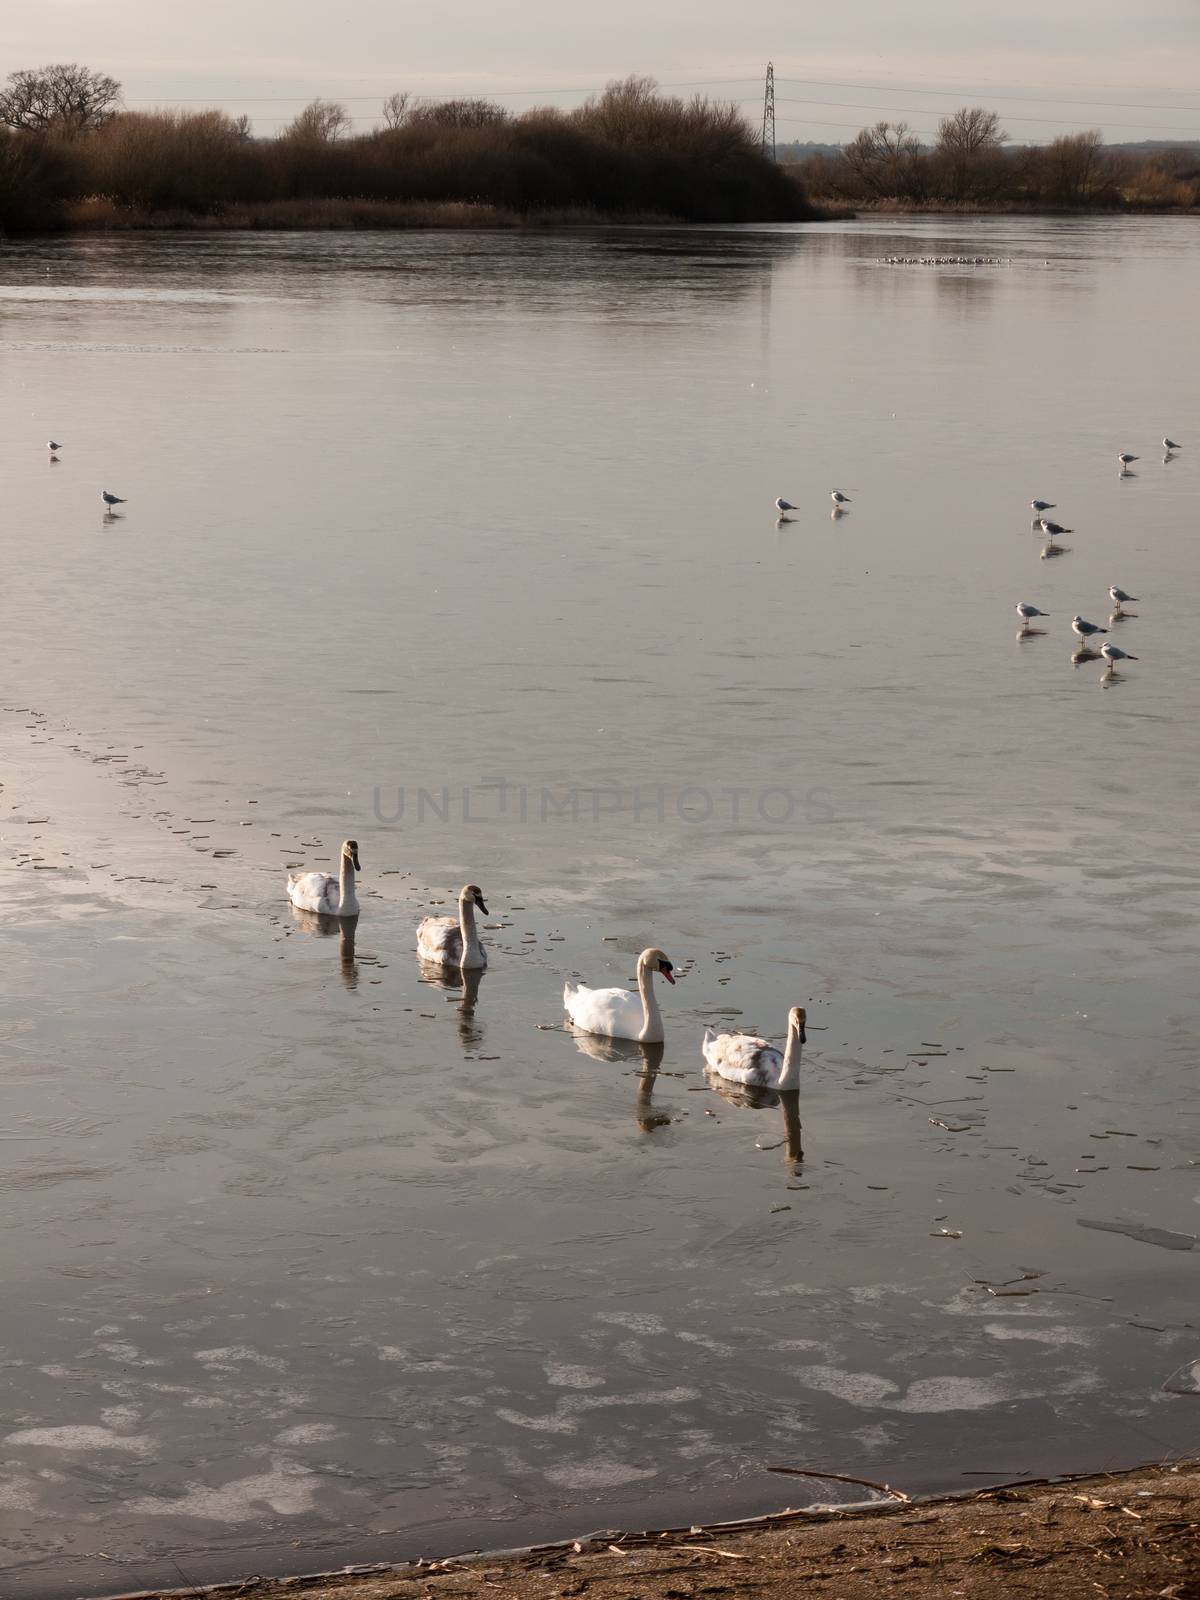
(1047, 65)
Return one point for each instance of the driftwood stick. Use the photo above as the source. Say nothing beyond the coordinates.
(841, 1477)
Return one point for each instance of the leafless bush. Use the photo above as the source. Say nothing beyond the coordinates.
(458, 114)
(320, 122)
(189, 159)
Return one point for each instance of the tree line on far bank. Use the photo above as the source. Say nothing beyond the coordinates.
(71, 155)
(972, 164)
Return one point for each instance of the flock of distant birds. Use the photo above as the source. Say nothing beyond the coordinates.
(947, 261)
(1084, 630)
(1080, 626)
(614, 1013)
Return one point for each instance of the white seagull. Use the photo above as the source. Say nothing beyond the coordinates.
(1050, 529)
(52, 445)
(111, 500)
(1113, 653)
(1085, 630)
(1042, 505)
(1027, 612)
(1168, 444)
(838, 498)
(782, 505)
(1125, 458)
(1120, 598)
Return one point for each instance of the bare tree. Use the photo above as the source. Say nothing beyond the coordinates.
(885, 159)
(320, 122)
(458, 114)
(65, 98)
(395, 111)
(1076, 167)
(969, 141)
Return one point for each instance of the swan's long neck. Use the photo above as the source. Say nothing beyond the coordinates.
(789, 1076)
(651, 1015)
(347, 899)
(472, 949)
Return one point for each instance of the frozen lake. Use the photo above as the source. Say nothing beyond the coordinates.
(464, 546)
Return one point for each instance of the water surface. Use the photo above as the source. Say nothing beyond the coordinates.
(309, 1260)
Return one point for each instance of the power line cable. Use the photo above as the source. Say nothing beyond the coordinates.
(1032, 99)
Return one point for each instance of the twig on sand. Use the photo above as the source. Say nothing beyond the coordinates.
(842, 1477)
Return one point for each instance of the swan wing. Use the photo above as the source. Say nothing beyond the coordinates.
(439, 939)
(615, 1013)
(742, 1058)
(315, 891)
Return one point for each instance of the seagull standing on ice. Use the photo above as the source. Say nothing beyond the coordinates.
(1052, 529)
(782, 505)
(1042, 505)
(1169, 444)
(1120, 598)
(52, 445)
(1113, 653)
(1085, 630)
(111, 500)
(1027, 612)
(1125, 458)
(838, 498)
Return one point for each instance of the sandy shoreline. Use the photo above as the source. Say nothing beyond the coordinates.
(1129, 1534)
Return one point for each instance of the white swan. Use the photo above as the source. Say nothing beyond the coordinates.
(616, 1013)
(321, 892)
(742, 1058)
(454, 941)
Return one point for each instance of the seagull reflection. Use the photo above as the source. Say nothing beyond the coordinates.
(458, 980)
(1083, 654)
(838, 513)
(324, 927)
(1050, 550)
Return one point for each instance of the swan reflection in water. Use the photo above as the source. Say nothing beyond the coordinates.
(754, 1098)
(323, 926)
(646, 1056)
(464, 981)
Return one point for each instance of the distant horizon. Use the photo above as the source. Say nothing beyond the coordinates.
(1046, 71)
